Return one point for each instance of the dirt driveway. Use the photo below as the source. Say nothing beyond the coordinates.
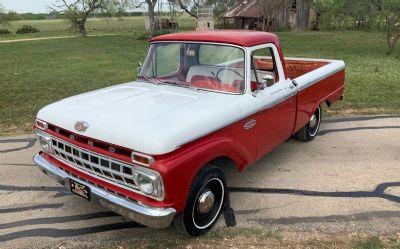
(346, 181)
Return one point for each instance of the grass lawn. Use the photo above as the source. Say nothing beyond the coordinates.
(94, 26)
(372, 77)
(33, 74)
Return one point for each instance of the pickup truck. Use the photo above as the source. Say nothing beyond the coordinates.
(155, 150)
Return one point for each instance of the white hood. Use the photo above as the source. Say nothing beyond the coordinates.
(148, 118)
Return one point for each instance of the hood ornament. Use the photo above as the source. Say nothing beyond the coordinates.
(81, 126)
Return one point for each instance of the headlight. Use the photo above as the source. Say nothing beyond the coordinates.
(44, 141)
(150, 182)
(145, 184)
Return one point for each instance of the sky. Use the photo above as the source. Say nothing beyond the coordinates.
(23, 6)
(33, 6)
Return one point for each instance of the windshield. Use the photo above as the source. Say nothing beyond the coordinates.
(198, 65)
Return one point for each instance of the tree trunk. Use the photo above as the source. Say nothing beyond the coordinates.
(82, 27)
(151, 17)
(392, 43)
(391, 36)
(264, 27)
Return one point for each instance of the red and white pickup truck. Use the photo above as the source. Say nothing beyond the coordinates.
(153, 150)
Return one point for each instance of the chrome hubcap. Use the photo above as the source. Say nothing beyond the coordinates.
(206, 202)
(313, 120)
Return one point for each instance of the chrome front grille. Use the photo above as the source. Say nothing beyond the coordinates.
(94, 164)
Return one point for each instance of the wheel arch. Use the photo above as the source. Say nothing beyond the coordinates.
(186, 165)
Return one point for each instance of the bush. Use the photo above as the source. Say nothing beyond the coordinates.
(4, 32)
(27, 29)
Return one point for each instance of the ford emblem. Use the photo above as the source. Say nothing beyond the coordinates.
(81, 126)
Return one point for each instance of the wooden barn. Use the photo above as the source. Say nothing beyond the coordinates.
(249, 14)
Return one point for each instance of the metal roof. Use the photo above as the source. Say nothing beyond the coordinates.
(246, 8)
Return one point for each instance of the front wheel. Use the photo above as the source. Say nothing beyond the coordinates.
(310, 130)
(204, 204)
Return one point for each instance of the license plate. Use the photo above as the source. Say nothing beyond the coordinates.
(79, 189)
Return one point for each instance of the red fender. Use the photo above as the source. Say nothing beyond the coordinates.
(179, 168)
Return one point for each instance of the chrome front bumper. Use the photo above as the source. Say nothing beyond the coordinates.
(148, 216)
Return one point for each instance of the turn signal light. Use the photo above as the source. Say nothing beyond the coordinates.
(41, 124)
(142, 159)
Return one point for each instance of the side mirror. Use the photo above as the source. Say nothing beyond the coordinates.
(139, 68)
(268, 80)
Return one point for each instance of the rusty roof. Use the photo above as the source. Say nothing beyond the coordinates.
(246, 8)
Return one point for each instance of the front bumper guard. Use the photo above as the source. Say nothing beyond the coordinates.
(146, 215)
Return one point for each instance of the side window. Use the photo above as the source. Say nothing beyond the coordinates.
(264, 66)
(167, 60)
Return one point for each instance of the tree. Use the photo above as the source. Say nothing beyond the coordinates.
(3, 16)
(189, 6)
(390, 9)
(340, 14)
(221, 7)
(151, 4)
(79, 11)
(272, 8)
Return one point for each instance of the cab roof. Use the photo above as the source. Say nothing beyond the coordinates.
(244, 38)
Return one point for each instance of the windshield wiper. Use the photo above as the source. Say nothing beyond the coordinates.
(178, 83)
(151, 80)
(164, 81)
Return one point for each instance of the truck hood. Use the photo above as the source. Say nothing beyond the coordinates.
(148, 118)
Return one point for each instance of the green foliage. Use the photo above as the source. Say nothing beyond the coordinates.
(344, 14)
(371, 243)
(95, 26)
(27, 29)
(13, 16)
(362, 14)
(4, 32)
(220, 7)
(3, 16)
(390, 9)
(34, 16)
(79, 11)
(394, 242)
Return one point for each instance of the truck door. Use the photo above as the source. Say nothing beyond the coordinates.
(276, 100)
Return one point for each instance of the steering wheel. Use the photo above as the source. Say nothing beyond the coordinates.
(228, 69)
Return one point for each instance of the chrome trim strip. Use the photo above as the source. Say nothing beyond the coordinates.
(311, 83)
(150, 216)
(277, 101)
(309, 79)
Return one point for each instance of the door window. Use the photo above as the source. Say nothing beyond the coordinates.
(264, 66)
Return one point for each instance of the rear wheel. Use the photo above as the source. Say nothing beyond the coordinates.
(310, 130)
(204, 204)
